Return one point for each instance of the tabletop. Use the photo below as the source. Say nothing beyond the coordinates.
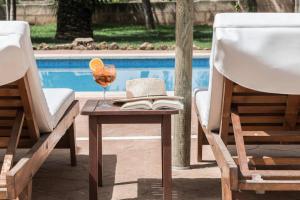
(91, 107)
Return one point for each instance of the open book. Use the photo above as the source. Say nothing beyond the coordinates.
(153, 105)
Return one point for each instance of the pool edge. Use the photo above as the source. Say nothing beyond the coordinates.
(137, 55)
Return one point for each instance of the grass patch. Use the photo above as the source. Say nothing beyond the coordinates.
(129, 35)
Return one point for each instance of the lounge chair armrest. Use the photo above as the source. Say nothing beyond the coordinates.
(228, 167)
(22, 173)
(194, 98)
(199, 90)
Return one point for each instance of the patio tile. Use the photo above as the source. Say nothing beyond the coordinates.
(132, 170)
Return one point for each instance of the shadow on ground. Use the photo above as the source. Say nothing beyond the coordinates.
(183, 188)
(58, 180)
(192, 189)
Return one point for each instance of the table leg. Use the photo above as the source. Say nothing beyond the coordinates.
(100, 160)
(167, 156)
(93, 155)
(162, 160)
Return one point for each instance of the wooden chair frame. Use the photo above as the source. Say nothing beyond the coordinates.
(19, 129)
(251, 117)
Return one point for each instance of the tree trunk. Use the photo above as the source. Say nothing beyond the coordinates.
(252, 6)
(297, 6)
(11, 10)
(149, 19)
(183, 82)
(7, 10)
(247, 5)
(74, 19)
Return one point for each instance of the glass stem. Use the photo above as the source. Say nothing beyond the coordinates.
(104, 93)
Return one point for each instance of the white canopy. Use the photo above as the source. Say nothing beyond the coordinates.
(13, 56)
(17, 59)
(260, 51)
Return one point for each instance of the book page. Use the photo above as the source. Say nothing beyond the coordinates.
(167, 104)
(135, 105)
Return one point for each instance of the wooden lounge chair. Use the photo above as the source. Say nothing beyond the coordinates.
(29, 117)
(240, 116)
(251, 117)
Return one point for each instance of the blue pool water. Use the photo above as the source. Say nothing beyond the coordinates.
(75, 73)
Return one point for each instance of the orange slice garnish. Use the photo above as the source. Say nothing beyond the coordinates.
(96, 65)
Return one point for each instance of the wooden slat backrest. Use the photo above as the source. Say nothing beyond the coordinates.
(16, 96)
(258, 111)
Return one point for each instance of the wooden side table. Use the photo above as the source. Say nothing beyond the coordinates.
(114, 115)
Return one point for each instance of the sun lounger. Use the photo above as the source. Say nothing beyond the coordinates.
(253, 98)
(30, 117)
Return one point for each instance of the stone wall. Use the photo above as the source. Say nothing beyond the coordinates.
(34, 13)
(278, 6)
(37, 14)
(164, 12)
(271, 5)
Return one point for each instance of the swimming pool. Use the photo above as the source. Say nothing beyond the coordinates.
(75, 73)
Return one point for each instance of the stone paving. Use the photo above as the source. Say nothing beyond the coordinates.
(132, 170)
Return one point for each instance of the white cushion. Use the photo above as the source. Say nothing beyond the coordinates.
(58, 100)
(16, 60)
(256, 50)
(202, 103)
(209, 103)
(255, 20)
(11, 45)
